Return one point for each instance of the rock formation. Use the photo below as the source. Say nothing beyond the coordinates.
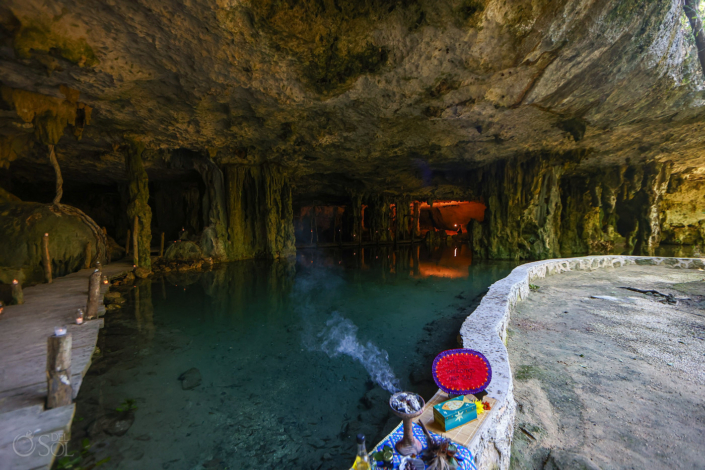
(260, 217)
(22, 226)
(138, 208)
(579, 124)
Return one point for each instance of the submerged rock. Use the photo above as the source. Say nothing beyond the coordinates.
(142, 273)
(113, 298)
(119, 425)
(114, 424)
(190, 379)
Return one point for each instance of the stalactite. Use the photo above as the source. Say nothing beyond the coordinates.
(588, 223)
(403, 219)
(58, 208)
(380, 219)
(214, 240)
(356, 222)
(522, 219)
(654, 186)
(260, 213)
(138, 189)
(415, 220)
(59, 179)
(614, 209)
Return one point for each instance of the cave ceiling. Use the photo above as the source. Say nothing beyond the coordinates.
(403, 96)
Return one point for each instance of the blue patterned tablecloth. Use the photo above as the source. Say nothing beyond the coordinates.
(467, 462)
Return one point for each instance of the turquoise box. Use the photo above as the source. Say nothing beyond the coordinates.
(455, 412)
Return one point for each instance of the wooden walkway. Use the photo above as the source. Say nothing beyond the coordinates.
(23, 347)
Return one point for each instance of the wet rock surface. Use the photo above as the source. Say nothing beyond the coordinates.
(190, 379)
(607, 377)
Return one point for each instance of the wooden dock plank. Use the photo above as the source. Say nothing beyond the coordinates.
(23, 347)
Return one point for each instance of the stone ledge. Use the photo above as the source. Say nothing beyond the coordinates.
(485, 330)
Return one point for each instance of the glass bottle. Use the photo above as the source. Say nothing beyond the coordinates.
(362, 460)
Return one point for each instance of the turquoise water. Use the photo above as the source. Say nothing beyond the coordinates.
(296, 358)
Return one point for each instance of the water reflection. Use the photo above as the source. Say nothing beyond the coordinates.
(143, 308)
(405, 261)
(290, 352)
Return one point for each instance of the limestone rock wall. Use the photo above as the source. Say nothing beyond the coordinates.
(404, 220)
(683, 212)
(522, 219)
(618, 206)
(260, 214)
(355, 218)
(536, 209)
(380, 219)
(214, 239)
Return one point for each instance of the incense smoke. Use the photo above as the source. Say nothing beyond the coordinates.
(340, 337)
(318, 292)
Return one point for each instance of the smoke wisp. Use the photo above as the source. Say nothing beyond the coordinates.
(339, 337)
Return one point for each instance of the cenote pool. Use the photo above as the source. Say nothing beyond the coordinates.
(294, 358)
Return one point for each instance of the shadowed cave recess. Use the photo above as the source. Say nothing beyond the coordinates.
(253, 127)
(382, 156)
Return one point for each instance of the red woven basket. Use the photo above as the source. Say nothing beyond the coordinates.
(461, 371)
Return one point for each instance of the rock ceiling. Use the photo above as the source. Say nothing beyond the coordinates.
(355, 95)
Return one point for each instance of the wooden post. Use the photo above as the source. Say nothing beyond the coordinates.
(59, 389)
(46, 259)
(127, 243)
(361, 225)
(17, 295)
(394, 233)
(135, 242)
(315, 222)
(416, 219)
(310, 223)
(161, 248)
(87, 254)
(93, 295)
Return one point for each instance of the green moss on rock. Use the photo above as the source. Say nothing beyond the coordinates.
(260, 214)
(22, 226)
(40, 38)
(183, 251)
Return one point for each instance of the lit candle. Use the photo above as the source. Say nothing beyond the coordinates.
(105, 280)
(59, 331)
(79, 317)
